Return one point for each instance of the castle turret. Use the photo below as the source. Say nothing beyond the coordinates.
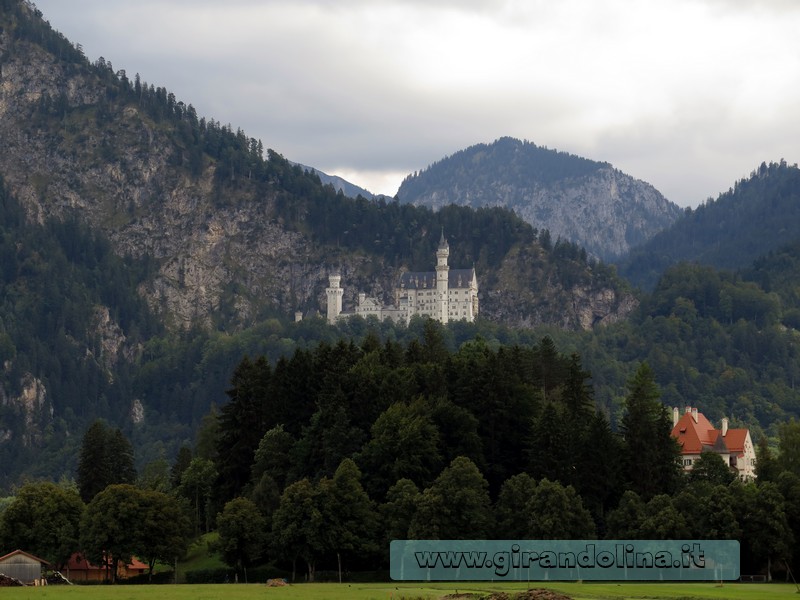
(334, 294)
(442, 271)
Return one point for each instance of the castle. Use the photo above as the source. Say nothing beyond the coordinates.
(443, 295)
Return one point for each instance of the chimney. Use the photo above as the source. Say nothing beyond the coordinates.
(675, 415)
(694, 414)
(724, 426)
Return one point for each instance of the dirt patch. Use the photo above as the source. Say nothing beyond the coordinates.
(536, 594)
(540, 594)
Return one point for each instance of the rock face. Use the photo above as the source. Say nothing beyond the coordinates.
(525, 293)
(117, 173)
(31, 406)
(586, 202)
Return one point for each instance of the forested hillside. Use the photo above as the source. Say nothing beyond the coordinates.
(714, 340)
(756, 216)
(70, 325)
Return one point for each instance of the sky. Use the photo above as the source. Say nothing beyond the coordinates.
(688, 95)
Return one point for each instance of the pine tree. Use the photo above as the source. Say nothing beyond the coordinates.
(106, 457)
(241, 426)
(651, 454)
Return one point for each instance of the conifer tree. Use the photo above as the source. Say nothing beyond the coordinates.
(106, 457)
(651, 453)
(241, 426)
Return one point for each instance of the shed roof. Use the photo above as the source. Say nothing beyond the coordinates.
(10, 555)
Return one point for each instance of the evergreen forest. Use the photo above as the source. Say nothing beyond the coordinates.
(313, 465)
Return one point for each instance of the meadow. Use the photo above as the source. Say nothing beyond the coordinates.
(408, 591)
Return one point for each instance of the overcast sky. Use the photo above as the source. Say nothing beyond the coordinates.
(689, 95)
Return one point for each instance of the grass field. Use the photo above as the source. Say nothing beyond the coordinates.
(392, 591)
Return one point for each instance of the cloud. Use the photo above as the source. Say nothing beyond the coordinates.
(680, 93)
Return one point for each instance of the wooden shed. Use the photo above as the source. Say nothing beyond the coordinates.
(23, 566)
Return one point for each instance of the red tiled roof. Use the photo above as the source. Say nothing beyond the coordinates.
(735, 440)
(694, 436)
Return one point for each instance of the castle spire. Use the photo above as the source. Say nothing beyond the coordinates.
(442, 283)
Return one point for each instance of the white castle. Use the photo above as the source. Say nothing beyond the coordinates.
(444, 295)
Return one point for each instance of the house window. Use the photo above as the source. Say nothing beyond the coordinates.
(687, 462)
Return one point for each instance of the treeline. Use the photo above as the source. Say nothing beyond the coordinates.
(28, 24)
(108, 515)
(482, 442)
(318, 461)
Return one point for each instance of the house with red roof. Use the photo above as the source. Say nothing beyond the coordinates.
(80, 569)
(696, 435)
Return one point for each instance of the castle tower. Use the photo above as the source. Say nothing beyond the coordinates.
(334, 294)
(442, 271)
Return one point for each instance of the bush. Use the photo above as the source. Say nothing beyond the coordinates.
(162, 577)
(219, 575)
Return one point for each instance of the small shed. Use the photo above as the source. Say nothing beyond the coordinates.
(22, 566)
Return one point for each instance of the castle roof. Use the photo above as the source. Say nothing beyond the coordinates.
(418, 280)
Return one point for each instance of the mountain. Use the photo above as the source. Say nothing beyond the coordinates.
(146, 248)
(586, 202)
(755, 217)
(339, 184)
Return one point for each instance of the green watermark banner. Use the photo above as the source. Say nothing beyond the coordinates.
(564, 560)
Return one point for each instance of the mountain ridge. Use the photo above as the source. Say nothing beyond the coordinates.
(587, 202)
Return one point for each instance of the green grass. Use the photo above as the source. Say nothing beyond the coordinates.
(200, 557)
(397, 591)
